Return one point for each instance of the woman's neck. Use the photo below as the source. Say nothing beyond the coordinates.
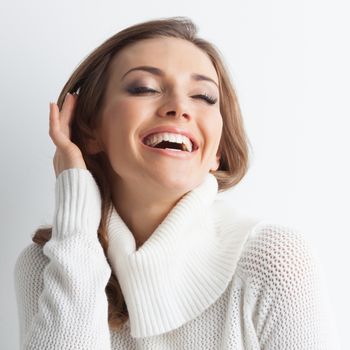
(142, 209)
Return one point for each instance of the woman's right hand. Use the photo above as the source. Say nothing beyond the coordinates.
(68, 154)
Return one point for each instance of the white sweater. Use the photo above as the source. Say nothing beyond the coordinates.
(207, 278)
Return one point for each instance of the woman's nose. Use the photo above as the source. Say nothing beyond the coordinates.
(177, 113)
(174, 106)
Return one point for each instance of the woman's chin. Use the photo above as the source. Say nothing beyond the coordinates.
(177, 182)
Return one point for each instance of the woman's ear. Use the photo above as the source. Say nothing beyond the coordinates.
(216, 163)
(94, 145)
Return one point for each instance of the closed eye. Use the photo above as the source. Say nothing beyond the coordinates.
(210, 99)
(142, 89)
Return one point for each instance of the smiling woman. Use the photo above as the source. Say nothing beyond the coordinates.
(143, 251)
(166, 94)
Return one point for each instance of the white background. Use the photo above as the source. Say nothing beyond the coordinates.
(289, 61)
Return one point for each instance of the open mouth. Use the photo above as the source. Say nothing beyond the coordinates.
(172, 146)
(173, 149)
(175, 144)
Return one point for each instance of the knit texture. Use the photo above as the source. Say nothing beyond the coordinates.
(184, 266)
(207, 278)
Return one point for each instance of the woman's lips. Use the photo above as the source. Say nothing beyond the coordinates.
(171, 129)
(171, 153)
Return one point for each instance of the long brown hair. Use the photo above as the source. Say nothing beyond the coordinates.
(91, 77)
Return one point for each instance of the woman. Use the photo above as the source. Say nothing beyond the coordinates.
(143, 251)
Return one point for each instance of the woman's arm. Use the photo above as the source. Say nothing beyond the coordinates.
(71, 311)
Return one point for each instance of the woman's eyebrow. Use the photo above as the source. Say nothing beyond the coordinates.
(159, 72)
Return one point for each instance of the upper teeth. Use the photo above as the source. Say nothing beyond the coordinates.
(154, 139)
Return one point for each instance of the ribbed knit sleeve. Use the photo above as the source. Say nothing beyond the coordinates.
(286, 299)
(64, 306)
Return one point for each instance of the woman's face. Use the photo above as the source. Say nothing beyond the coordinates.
(172, 101)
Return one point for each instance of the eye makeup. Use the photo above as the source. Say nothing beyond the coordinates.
(138, 90)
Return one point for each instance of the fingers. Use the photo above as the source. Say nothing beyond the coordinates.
(67, 154)
(54, 130)
(67, 109)
(60, 121)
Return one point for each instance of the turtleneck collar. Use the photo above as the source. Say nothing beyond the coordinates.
(184, 266)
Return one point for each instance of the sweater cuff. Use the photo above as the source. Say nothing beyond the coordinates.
(77, 204)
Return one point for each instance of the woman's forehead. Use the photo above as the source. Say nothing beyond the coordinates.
(171, 55)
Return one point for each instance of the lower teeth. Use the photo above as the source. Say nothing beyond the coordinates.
(173, 149)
